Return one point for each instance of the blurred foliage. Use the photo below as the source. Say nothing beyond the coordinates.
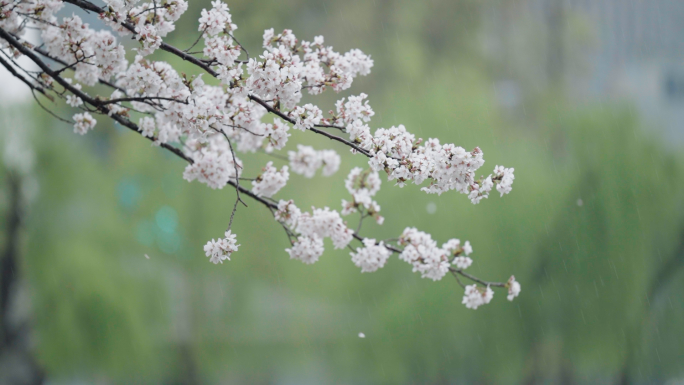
(122, 293)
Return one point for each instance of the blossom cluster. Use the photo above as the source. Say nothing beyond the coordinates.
(355, 109)
(220, 250)
(306, 161)
(214, 163)
(151, 22)
(252, 108)
(403, 157)
(371, 257)
(84, 123)
(311, 229)
(270, 181)
(362, 185)
(14, 15)
(96, 54)
(309, 69)
(476, 296)
(460, 254)
(421, 251)
(306, 116)
(513, 287)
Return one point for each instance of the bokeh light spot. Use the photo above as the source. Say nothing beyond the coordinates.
(167, 219)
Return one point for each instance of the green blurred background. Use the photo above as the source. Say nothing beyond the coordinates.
(585, 99)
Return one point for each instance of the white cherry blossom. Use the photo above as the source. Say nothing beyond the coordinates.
(475, 296)
(84, 123)
(220, 250)
(371, 257)
(270, 181)
(513, 287)
(307, 249)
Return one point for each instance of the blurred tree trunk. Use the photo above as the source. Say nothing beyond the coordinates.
(187, 374)
(8, 262)
(17, 364)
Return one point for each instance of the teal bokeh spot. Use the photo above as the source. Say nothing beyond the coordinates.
(167, 219)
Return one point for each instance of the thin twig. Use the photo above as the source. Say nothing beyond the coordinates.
(72, 65)
(196, 41)
(475, 279)
(455, 274)
(277, 156)
(242, 47)
(48, 110)
(358, 228)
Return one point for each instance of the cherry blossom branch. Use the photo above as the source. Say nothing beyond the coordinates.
(57, 60)
(272, 85)
(290, 120)
(88, 6)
